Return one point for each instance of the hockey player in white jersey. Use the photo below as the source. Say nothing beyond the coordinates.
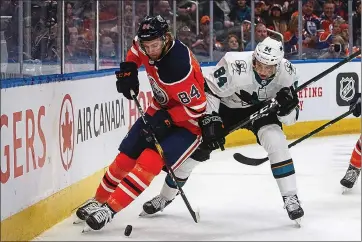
(239, 86)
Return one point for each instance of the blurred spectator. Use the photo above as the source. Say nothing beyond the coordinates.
(72, 42)
(70, 19)
(337, 49)
(328, 16)
(260, 13)
(163, 8)
(240, 12)
(260, 34)
(6, 8)
(204, 26)
(276, 21)
(356, 23)
(326, 38)
(107, 52)
(141, 9)
(201, 46)
(221, 13)
(341, 9)
(108, 10)
(311, 21)
(186, 8)
(233, 43)
(184, 34)
(291, 37)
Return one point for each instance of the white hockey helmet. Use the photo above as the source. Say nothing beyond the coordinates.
(269, 51)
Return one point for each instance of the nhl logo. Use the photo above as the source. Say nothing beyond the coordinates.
(346, 89)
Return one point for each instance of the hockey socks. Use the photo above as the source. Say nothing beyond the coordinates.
(356, 155)
(119, 168)
(148, 165)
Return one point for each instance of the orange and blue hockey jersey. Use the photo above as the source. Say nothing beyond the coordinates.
(177, 84)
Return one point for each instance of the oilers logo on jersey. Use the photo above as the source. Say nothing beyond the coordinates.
(159, 94)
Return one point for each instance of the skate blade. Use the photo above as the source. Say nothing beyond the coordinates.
(197, 213)
(145, 215)
(86, 229)
(78, 221)
(298, 222)
(345, 190)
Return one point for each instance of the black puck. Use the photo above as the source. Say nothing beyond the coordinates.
(128, 230)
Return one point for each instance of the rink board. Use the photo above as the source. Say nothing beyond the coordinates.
(58, 138)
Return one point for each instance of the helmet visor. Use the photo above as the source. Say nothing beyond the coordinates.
(153, 48)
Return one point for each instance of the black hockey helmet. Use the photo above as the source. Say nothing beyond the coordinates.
(152, 28)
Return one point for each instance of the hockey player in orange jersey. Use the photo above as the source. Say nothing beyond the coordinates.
(354, 167)
(175, 114)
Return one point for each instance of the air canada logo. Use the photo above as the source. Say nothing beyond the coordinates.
(347, 87)
(66, 132)
(159, 94)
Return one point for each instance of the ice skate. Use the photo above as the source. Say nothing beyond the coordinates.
(350, 178)
(85, 209)
(295, 211)
(98, 218)
(155, 205)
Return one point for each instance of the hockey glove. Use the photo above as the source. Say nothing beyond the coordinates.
(356, 101)
(127, 79)
(160, 123)
(287, 99)
(213, 132)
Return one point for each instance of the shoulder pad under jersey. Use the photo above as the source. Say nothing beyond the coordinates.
(230, 74)
(288, 74)
(175, 66)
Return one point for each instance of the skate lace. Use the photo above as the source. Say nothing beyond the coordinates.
(90, 204)
(158, 202)
(102, 214)
(351, 175)
(291, 203)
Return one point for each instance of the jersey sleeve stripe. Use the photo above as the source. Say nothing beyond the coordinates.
(153, 106)
(134, 51)
(194, 122)
(201, 106)
(200, 111)
(191, 114)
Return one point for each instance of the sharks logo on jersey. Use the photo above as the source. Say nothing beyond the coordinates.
(239, 66)
(289, 68)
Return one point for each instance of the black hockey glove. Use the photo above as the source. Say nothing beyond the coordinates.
(160, 123)
(213, 132)
(356, 101)
(287, 99)
(127, 79)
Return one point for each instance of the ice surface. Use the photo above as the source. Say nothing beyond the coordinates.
(239, 202)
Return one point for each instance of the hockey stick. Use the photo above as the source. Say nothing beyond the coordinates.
(195, 215)
(255, 162)
(271, 104)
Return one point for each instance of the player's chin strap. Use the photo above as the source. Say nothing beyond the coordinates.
(272, 104)
(255, 161)
(195, 215)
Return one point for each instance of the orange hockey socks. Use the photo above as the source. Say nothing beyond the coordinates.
(356, 155)
(119, 168)
(149, 164)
